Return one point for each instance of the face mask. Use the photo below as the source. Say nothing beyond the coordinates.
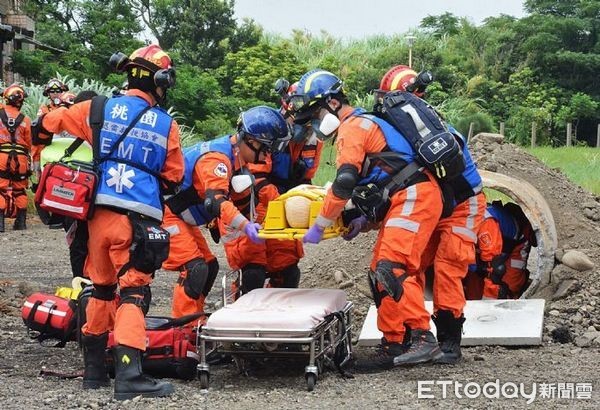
(56, 101)
(326, 127)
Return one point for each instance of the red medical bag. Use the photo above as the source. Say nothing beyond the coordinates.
(49, 317)
(170, 348)
(68, 188)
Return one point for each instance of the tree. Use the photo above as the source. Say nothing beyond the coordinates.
(197, 31)
(446, 24)
(250, 73)
(88, 30)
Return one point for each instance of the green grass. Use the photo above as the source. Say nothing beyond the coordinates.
(326, 171)
(580, 164)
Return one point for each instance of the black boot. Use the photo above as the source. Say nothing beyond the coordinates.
(382, 358)
(129, 379)
(94, 374)
(1, 220)
(20, 221)
(423, 348)
(449, 333)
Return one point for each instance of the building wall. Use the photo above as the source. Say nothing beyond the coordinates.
(11, 14)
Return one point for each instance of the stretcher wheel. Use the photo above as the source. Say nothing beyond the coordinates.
(311, 381)
(204, 377)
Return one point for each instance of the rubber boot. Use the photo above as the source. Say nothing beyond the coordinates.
(129, 379)
(449, 333)
(423, 348)
(95, 374)
(1, 220)
(20, 220)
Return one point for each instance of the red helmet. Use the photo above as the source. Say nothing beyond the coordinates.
(150, 59)
(399, 77)
(152, 54)
(14, 95)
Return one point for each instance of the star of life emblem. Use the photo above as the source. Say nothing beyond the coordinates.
(120, 177)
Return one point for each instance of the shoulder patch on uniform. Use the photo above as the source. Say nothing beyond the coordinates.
(485, 239)
(221, 170)
(366, 124)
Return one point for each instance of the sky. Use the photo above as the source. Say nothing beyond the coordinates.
(360, 18)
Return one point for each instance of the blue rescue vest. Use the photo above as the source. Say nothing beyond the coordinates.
(373, 172)
(130, 177)
(469, 183)
(196, 214)
(508, 224)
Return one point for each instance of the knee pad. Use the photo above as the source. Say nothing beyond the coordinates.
(141, 296)
(392, 284)
(213, 271)
(291, 276)
(253, 277)
(197, 274)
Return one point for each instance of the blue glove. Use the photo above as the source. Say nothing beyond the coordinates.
(251, 231)
(355, 227)
(314, 234)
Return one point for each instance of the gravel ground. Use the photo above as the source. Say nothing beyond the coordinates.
(37, 259)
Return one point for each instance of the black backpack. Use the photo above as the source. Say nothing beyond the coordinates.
(437, 148)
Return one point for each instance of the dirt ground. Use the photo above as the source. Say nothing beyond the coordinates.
(37, 259)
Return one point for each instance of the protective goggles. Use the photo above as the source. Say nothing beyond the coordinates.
(302, 102)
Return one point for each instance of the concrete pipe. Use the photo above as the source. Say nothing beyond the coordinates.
(538, 212)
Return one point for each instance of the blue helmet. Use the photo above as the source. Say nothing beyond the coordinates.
(263, 124)
(313, 86)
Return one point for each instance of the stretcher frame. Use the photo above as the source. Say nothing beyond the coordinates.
(318, 345)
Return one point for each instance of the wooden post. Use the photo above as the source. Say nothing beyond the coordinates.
(533, 134)
(502, 128)
(471, 128)
(569, 130)
(598, 137)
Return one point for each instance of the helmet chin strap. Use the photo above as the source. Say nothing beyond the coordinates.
(256, 151)
(159, 100)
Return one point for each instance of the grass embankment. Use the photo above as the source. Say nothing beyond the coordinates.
(580, 164)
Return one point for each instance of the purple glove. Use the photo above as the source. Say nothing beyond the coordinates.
(314, 234)
(355, 227)
(251, 231)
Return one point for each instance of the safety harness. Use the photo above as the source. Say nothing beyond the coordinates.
(14, 150)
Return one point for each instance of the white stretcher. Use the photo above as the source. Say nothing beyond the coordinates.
(270, 322)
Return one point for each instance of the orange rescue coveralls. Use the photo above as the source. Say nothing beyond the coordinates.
(489, 245)
(15, 162)
(110, 235)
(404, 232)
(187, 247)
(451, 250)
(274, 256)
(36, 150)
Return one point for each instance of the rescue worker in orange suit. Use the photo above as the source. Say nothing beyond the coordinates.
(452, 246)
(504, 241)
(242, 254)
(190, 255)
(205, 196)
(53, 90)
(365, 145)
(15, 160)
(133, 177)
